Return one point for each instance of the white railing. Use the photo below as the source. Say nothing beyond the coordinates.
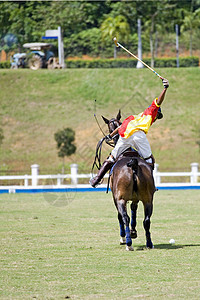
(193, 174)
(34, 178)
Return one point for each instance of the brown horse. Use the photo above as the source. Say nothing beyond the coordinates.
(131, 180)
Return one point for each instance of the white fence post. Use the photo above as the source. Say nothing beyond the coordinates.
(35, 173)
(194, 173)
(156, 176)
(26, 180)
(74, 173)
(59, 180)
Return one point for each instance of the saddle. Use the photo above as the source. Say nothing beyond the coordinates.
(130, 152)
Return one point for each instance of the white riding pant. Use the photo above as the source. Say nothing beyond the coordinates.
(137, 140)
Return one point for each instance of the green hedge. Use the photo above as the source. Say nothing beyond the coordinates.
(131, 63)
(5, 65)
(124, 63)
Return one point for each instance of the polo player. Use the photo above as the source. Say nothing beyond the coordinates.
(132, 133)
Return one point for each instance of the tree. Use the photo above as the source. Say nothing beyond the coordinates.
(191, 21)
(115, 27)
(6, 39)
(65, 139)
(26, 21)
(20, 19)
(85, 42)
(158, 13)
(72, 16)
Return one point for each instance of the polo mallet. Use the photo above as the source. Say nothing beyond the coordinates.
(119, 45)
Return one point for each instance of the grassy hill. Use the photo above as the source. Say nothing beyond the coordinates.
(34, 105)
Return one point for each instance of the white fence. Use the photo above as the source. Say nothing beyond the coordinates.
(35, 179)
(193, 174)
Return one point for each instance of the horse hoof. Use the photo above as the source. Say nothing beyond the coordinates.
(122, 240)
(129, 248)
(150, 245)
(133, 234)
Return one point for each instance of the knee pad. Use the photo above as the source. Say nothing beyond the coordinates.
(149, 160)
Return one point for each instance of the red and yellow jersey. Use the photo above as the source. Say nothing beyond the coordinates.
(142, 121)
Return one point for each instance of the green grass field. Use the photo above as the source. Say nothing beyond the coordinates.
(34, 105)
(59, 246)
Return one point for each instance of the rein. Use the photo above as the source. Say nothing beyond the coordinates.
(97, 159)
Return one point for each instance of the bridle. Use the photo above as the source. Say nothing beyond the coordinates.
(112, 126)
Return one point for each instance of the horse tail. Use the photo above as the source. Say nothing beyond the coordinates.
(133, 163)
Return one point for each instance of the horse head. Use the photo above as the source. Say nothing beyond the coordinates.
(113, 124)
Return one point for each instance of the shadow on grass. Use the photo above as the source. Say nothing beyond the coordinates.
(168, 246)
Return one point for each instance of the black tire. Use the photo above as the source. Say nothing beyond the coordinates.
(50, 63)
(35, 62)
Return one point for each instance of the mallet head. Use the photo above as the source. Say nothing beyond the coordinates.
(115, 41)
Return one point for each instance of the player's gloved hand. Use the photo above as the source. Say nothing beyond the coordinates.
(108, 138)
(165, 83)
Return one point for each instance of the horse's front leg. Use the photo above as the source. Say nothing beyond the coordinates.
(148, 209)
(134, 207)
(121, 205)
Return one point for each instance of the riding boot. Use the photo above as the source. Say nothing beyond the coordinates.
(108, 163)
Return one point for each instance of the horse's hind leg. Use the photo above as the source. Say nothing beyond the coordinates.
(122, 230)
(148, 209)
(134, 207)
(121, 205)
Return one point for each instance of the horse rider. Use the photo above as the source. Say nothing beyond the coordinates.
(132, 133)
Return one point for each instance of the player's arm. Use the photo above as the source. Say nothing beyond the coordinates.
(115, 131)
(109, 136)
(162, 95)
